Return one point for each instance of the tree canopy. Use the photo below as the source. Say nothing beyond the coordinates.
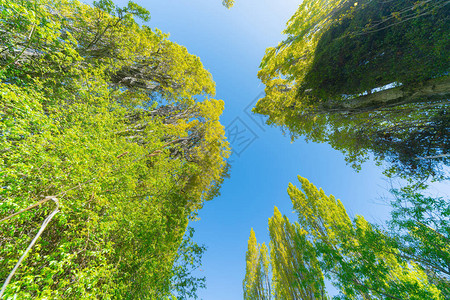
(228, 3)
(119, 124)
(367, 77)
(362, 260)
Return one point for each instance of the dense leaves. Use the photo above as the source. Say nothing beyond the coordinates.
(421, 227)
(367, 77)
(361, 260)
(296, 270)
(117, 122)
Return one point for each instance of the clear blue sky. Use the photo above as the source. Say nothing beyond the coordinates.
(231, 44)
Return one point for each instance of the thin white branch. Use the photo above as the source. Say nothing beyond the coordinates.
(41, 230)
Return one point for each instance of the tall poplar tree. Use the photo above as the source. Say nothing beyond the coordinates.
(256, 284)
(296, 270)
(355, 254)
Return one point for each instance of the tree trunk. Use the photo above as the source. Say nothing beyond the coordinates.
(432, 90)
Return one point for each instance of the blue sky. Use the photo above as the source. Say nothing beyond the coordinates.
(231, 44)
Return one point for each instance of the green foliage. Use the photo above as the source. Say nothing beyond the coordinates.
(361, 260)
(256, 283)
(189, 255)
(228, 3)
(132, 9)
(367, 77)
(420, 227)
(377, 43)
(336, 47)
(128, 172)
(355, 254)
(296, 270)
